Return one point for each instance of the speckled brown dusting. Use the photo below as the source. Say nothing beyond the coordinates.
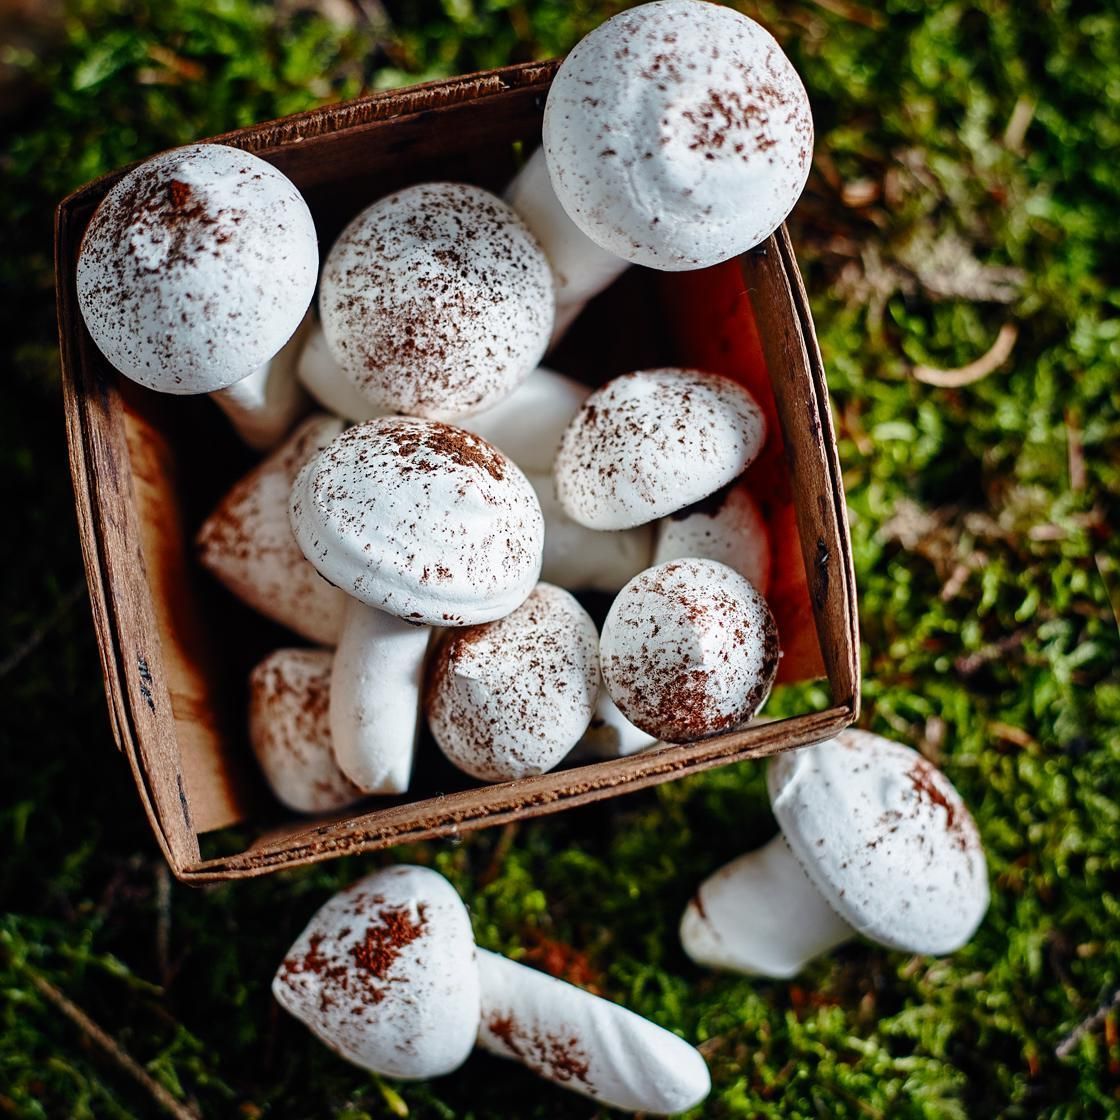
(688, 650)
(190, 275)
(437, 301)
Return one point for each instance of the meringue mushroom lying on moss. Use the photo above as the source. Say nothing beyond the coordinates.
(436, 301)
(875, 842)
(385, 975)
(676, 135)
(196, 268)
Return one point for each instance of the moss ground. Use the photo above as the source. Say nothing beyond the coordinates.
(966, 183)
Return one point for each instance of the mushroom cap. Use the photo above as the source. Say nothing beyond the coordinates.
(511, 698)
(678, 134)
(196, 268)
(288, 728)
(247, 542)
(421, 520)
(728, 526)
(385, 975)
(689, 649)
(885, 838)
(650, 443)
(437, 301)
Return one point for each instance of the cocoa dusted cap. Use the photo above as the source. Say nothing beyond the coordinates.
(197, 268)
(437, 301)
(678, 135)
(652, 442)
(385, 975)
(422, 520)
(885, 838)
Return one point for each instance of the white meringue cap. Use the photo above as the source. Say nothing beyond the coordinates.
(586, 1043)
(728, 526)
(885, 838)
(385, 975)
(196, 268)
(511, 698)
(650, 443)
(437, 301)
(422, 520)
(678, 134)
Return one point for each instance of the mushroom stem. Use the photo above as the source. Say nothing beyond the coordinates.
(264, 406)
(581, 269)
(375, 697)
(760, 914)
(586, 1043)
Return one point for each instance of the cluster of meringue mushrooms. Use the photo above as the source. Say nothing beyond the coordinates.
(427, 527)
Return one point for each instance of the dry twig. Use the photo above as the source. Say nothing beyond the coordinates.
(975, 371)
(110, 1047)
(1090, 1023)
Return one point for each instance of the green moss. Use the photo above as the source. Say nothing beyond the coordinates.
(988, 575)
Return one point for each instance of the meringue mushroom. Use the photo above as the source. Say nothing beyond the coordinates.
(385, 975)
(875, 842)
(196, 268)
(583, 559)
(375, 698)
(511, 698)
(437, 301)
(290, 732)
(728, 526)
(247, 542)
(677, 134)
(650, 443)
(586, 1043)
(421, 520)
(689, 649)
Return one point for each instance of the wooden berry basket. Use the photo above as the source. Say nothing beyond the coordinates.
(176, 649)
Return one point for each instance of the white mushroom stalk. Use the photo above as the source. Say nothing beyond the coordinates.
(196, 269)
(676, 135)
(247, 542)
(610, 734)
(581, 269)
(583, 559)
(586, 1043)
(375, 698)
(264, 406)
(875, 842)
